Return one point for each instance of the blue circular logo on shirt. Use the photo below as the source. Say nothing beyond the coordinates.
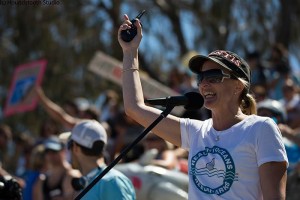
(203, 167)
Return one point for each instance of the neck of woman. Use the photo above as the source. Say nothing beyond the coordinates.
(227, 119)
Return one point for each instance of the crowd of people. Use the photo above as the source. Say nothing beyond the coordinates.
(43, 163)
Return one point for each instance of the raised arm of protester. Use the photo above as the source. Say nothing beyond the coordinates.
(55, 111)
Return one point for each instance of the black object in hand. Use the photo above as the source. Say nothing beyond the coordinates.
(129, 34)
(79, 183)
(10, 189)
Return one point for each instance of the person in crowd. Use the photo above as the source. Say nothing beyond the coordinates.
(10, 188)
(276, 111)
(233, 155)
(166, 156)
(24, 144)
(290, 133)
(6, 147)
(258, 76)
(188, 83)
(259, 92)
(279, 71)
(37, 165)
(47, 128)
(182, 156)
(291, 102)
(125, 131)
(175, 79)
(71, 115)
(64, 116)
(10, 185)
(293, 184)
(87, 144)
(108, 103)
(55, 183)
(7, 162)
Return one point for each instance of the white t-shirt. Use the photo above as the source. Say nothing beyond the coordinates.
(228, 168)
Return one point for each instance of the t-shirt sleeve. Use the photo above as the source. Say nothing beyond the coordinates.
(269, 143)
(185, 144)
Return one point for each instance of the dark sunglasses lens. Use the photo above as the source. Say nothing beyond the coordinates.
(214, 79)
(199, 79)
(211, 76)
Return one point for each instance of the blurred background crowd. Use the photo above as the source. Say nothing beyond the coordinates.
(68, 34)
(25, 156)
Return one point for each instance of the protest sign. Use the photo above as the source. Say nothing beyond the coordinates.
(20, 98)
(111, 69)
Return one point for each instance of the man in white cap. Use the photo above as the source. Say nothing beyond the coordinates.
(87, 143)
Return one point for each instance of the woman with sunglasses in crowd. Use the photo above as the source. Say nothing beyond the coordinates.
(233, 155)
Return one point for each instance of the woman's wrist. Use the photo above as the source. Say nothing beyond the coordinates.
(131, 51)
(130, 60)
(130, 69)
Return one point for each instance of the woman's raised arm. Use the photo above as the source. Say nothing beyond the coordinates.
(168, 128)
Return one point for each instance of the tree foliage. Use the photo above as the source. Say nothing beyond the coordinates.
(68, 35)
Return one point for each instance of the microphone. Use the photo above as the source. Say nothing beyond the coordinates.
(190, 101)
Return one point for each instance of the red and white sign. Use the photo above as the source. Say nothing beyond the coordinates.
(111, 69)
(20, 97)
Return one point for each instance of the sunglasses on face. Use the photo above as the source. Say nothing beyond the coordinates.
(213, 76)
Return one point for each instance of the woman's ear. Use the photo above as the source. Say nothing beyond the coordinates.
(239, 87)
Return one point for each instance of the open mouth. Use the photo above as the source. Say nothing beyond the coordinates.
(209, 95)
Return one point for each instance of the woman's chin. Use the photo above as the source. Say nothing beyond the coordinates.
(209, 103)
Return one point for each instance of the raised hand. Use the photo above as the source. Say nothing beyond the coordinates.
(133, 44)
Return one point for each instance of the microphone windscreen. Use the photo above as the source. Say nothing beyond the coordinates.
(195, 101)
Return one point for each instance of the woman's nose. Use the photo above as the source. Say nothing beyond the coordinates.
(204, 83)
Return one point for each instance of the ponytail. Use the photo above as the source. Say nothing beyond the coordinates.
(248, 102)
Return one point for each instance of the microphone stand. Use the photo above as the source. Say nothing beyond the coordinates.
(164, 114)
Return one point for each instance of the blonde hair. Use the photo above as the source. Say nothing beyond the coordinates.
(247, 101)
